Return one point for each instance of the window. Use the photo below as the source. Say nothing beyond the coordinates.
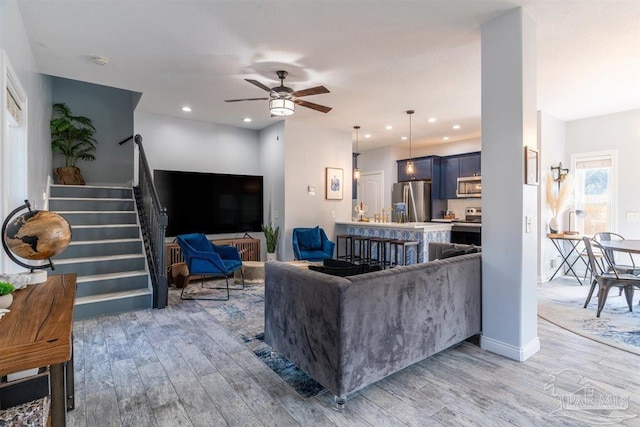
(595, 191)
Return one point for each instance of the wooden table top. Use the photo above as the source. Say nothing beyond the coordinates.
(564, 236)
(37, 332)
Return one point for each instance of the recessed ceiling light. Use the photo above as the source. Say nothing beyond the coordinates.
(432, 120)
(404, 138)
(247, 120)
(445, 138)
(367, 135)
(388, 127)
(186, 109)
(455, 126)
(100, 60)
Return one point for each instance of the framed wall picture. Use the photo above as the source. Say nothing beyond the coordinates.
(531, 166)
(334, 183)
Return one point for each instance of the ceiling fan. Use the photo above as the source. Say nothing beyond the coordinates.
(282, 98)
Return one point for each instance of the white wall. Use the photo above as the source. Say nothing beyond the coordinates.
(190, 145)
(14, 40)
(551, 140)
(308, 151)
(619, 131)
(272, 166)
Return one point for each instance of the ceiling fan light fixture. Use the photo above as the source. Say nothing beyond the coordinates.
(281, 107)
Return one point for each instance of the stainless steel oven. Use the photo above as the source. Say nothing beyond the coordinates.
(469, 230)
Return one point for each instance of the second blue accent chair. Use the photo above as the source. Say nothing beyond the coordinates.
(203, 258)
(312, 244)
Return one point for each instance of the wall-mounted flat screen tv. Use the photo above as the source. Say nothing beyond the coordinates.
(210, 203)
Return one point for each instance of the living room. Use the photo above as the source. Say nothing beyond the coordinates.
(293, 155)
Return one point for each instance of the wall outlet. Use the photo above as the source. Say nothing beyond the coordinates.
(333, 214)
(633, 216)
(552, 263)
(276, 214)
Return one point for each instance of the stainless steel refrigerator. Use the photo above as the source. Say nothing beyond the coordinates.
(417, 197)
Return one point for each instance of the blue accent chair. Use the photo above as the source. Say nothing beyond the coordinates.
(312, 244)
(205, 259)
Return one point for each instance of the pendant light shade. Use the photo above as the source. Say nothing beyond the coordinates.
(356, 170)
(410, 168)
(281, 107)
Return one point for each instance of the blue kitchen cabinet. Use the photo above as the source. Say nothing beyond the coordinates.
(449, 177)
(470, 164)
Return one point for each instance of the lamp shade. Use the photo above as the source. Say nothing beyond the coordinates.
(281, 107)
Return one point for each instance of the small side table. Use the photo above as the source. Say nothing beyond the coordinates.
(253, 272)
(572, 241)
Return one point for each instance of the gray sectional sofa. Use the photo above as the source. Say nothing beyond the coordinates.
(349, 332)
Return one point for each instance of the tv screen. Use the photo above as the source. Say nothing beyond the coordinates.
(210, 203)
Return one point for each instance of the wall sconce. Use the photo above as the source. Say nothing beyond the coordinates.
(559, 173)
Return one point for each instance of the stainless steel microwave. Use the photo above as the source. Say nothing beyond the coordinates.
(470, 186)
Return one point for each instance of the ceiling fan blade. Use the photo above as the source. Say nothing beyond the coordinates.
(311, 91)
(260, 85)
(313, 106)
(246, 99)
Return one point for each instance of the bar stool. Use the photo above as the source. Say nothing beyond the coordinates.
(380, 246)
(402, 245)
(348, 247)
(361, 243)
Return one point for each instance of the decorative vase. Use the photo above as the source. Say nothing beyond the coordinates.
(69, 175)
(553, 225)
(271, 256)
(6, 300)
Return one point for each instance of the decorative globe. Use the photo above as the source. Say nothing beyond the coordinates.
(37, 235)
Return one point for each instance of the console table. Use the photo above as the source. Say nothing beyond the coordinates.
(38, 332)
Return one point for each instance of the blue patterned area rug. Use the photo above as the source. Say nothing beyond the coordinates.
(561, 302)
(243, 316)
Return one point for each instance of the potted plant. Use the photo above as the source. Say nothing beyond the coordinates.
(6, 298)
(271, 235)
(73, 137)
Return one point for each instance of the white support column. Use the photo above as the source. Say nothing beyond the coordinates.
(509, 122)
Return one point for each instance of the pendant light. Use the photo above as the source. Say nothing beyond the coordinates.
(356, 170)
(410, 166)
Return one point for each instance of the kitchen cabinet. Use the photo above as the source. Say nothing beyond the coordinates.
(454, 167)
(449, 177)
(423, 169)
(470, 164)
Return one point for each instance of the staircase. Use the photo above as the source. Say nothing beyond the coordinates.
(106, 249)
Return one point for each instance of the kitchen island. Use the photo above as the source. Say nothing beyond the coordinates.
(422, 232)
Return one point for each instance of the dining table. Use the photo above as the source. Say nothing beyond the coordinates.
(626, 245)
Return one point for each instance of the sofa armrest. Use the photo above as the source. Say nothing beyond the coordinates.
(302, 319)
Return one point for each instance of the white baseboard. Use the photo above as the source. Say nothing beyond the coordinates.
(507, 350)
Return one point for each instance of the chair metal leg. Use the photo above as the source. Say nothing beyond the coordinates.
(226, 278)
(602, 298)
(594, 282)
(628, 293)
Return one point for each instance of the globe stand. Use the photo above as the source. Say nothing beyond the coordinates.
(35, 277)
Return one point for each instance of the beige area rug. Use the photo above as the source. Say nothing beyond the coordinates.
(561, 302)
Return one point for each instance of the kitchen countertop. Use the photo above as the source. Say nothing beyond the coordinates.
(398, 225)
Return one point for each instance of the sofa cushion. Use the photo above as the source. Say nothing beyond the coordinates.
(310, 239)
(337, 271)
(450, 253)
(472, 249)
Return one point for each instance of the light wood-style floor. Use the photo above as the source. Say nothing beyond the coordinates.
(178, 366)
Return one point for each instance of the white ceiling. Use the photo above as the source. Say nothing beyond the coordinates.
(378, 58)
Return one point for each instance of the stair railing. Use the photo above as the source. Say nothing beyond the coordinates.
(153, 222)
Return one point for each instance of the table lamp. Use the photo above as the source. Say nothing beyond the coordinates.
(579, 214)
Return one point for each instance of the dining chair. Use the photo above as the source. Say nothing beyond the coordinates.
(608, 277)
(620, 268)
